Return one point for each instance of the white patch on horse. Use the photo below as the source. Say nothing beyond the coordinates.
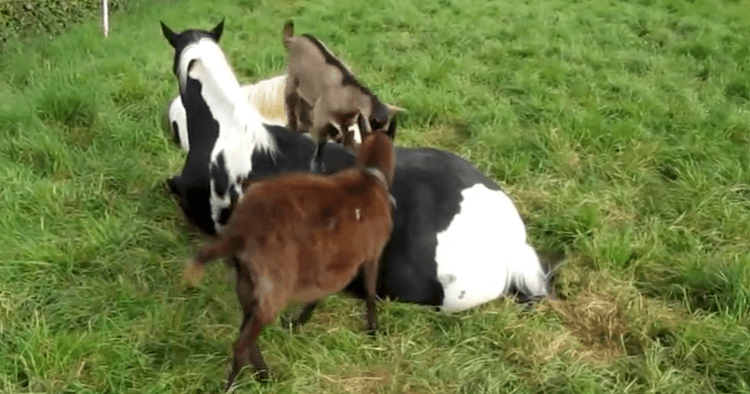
(484, 251)
(178, 116)
(445, 280)
(266, 96)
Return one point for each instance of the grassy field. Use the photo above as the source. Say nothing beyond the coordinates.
(620, 128)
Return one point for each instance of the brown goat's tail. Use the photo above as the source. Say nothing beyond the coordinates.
(222, 248)
(288, 32)
(377, 151)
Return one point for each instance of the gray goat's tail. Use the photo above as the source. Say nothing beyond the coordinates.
(288, 32)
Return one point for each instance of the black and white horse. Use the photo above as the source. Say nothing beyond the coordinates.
(458, 240)
(267, 96)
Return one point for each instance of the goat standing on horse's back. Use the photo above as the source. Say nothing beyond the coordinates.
(300, 237)
(317, 77)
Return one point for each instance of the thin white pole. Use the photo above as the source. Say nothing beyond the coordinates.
(105, 15)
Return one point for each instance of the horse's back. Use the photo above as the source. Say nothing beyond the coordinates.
(454, 226)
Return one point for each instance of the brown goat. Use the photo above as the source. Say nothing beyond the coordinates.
(326, 84)
(299, 237)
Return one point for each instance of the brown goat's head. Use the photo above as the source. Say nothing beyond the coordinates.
(383, 118)
(377, 151)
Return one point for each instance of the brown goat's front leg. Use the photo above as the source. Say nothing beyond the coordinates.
(371, 278)
(247, 350)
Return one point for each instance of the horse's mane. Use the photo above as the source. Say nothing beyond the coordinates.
(205, 61)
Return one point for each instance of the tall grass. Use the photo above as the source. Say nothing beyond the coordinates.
(621, 129)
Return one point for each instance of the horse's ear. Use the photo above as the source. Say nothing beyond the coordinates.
(168, 34)
(217, 30)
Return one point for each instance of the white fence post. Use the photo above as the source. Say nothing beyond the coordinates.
(105, 16)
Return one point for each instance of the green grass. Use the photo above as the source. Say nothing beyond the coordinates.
(620, 128)
(22, 18)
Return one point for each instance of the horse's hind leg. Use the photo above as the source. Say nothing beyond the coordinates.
(371, 279)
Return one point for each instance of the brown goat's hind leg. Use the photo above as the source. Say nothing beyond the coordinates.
(305, 314)
(371, 278)
(247, 349)
(302, 317)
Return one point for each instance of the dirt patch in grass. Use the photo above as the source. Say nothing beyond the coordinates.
(360, 382)
(598, 321)
(610, 319)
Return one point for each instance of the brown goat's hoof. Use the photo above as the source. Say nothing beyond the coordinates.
(263, 375)
(289, 323)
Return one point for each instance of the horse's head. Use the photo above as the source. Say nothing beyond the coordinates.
(223, 130)
(183, 40)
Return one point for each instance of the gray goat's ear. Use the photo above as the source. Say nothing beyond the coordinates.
(217, 30)
(392, 109)
(288, 29)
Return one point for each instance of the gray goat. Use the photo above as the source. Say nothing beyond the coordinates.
(327, 85)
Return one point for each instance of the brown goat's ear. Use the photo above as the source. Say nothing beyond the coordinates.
(217, 30)
(391, 132)
(168, 34)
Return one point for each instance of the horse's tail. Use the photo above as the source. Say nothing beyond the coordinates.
(551, 261)
(376, 151)
(221, 248)
(288, 32)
